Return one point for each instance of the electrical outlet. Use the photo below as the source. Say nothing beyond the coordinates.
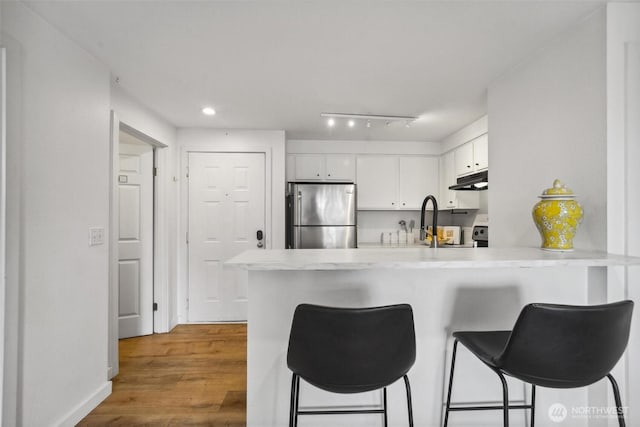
(96, 236)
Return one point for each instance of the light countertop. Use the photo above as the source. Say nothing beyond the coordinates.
(370, 245)
(421, 258)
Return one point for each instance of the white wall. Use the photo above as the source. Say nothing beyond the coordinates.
(58, 183)
(548, 120)
(466, 134)
(212, 140)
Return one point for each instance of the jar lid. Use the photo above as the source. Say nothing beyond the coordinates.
(557, 190)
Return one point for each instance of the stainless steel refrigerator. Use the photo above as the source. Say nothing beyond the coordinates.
(321, 215)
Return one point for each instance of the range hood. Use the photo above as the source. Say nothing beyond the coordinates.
(474, 182)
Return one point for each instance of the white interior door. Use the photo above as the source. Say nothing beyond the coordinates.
(226, 211)
(135, 240)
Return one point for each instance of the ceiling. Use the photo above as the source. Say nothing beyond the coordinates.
(279, 64)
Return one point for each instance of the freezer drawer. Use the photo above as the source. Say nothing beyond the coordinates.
(324, 237)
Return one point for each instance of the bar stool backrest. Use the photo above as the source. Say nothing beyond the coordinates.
(351, 350)
(564, 346)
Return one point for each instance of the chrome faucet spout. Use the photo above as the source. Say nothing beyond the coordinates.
(434, 225)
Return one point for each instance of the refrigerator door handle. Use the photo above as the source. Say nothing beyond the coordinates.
(299, 237)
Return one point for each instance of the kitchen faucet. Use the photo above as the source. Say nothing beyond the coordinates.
(434, 226)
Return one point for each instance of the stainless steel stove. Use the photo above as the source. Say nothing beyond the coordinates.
(480, 235)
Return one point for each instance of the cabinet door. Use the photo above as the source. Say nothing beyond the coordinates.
(418, 178)
(309, 167)
(447, 177)
(340, 167)
(463, 157)
(481, 152)
(377, 179)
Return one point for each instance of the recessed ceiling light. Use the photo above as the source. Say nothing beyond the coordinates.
(331, 122)
(351, 123)
(208, 111)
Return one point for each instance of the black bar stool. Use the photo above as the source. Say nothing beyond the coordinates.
(350, 350)
(556, 346)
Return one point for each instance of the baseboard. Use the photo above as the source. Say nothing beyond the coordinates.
(84, 408)
(174, 322)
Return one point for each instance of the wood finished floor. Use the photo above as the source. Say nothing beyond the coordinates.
(196, 375)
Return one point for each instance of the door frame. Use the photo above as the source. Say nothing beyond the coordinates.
(183, 286)
(160, 286)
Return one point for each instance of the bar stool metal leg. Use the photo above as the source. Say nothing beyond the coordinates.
(292, 411)
(533, 405)
(296, 402)
(409, 406)
(453, 365)
(505, 399)
(384, 405)
(616, 396)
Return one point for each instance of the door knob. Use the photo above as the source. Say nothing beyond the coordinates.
(259, 235)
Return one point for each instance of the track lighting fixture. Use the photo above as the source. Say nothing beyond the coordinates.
(352, 118)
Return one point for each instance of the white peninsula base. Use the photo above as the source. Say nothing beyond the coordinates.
(449, 289)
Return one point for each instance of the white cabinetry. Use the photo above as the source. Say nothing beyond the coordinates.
(340, 167)
(472, 156)
(309, 167)
(481, 152)
(322, 167)
(451, 199)
(418, 178)
(377, 180)
(395, 182)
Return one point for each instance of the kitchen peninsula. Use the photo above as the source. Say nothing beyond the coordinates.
(449, 289)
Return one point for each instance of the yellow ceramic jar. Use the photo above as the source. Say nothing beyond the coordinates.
(557, 217)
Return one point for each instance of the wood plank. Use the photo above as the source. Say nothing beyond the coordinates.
(196, 375)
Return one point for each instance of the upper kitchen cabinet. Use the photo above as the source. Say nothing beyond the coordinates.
(451, 199)
(418, 178)
(472, 156)
(377, 180)
(323, 167)
(395, 182)
(340, 167)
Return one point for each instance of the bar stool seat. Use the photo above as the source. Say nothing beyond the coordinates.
(486, 345)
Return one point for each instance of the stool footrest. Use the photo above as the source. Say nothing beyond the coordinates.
(342, 411)
(484, 408)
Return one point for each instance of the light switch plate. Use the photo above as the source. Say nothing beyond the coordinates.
(96, 236)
